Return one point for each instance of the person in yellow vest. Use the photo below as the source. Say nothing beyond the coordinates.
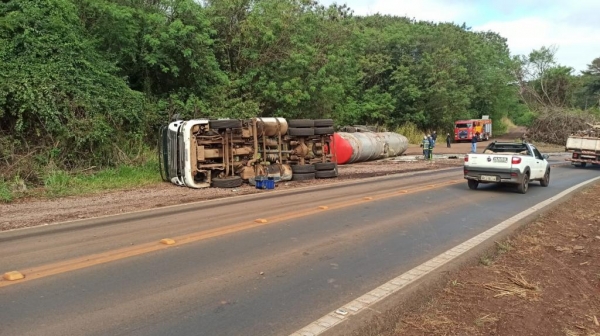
(426, 147)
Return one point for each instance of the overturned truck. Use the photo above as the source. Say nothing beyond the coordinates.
(224, 153)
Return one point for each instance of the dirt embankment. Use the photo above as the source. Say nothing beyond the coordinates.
(544, 281)
(33, 212)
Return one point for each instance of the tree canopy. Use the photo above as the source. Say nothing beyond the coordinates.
(87, 82)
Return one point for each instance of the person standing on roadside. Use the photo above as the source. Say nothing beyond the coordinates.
(434, 137)
(448, 140)
(431, 146)
(474, 140)
(425, 145)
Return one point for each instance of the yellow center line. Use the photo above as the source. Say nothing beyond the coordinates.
(127, 252)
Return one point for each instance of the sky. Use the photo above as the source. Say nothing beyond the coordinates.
(572, 26)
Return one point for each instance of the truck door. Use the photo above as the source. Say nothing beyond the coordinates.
(539, 163)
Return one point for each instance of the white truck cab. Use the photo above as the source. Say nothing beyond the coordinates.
(507, 162)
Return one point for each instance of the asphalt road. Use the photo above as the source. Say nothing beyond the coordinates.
(227, 274)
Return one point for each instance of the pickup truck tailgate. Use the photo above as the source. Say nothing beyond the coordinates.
(490, 161)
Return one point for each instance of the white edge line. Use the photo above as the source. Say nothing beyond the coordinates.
(363, 302)
(290, 191)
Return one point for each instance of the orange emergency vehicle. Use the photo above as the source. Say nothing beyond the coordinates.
(465, 130)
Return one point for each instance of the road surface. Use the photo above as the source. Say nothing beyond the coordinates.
(257, 265)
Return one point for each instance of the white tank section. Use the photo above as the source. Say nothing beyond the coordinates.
(369, 146)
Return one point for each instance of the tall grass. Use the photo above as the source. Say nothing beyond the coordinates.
(6, 194)
(411, 132)
(59, 183)
(508, 123)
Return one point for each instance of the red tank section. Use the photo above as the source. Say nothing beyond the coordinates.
(341, 149)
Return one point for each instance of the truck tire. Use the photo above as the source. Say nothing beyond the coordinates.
(227, 182)
(326, 173)
(301, 131)
(323, 122)
(303, 177)
(324, 130)
(524, 185)
(223, 124)
(325, 165)
(472, 184)
(303, 169)
(544, 182)
(301, 123)
(581, 164)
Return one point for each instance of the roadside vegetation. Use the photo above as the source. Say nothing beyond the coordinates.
(86, 83)
(60, 183)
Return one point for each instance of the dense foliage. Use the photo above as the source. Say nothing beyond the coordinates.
(87, 82)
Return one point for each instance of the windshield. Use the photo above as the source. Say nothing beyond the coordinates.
(463, 125)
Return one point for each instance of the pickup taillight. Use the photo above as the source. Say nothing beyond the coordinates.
(466, 158)
(516, 160)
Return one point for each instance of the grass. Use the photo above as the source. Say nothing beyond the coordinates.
(6, 195)
(508, 123)
(411, 132)
(60, 183)
(486, 260)
(503, 247)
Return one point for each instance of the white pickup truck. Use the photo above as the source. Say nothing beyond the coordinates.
(514, 163)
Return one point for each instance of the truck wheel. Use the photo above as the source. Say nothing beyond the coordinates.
(323, 122)
(301, 123)
(472, 184)
(223, 124)
(303, 177)
(325, 165)
(581, 164)
(524, 186)
(326, 173)
(546, 180)
(227, 182)
(301, 131)
(303, 169)
(324, 130)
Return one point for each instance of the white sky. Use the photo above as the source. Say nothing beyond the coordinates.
(573, 26)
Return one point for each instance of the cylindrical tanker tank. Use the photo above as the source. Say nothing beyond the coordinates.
(396, 144)
(367, 146)
(271, 126)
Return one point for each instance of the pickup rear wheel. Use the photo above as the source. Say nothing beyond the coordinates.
(524, 186)
(472, 184)
(546, 180)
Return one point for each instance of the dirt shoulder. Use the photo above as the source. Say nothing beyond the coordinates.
(545, 280)
(34, 212)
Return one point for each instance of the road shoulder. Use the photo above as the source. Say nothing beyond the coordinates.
(20, 215)
(540, 279)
